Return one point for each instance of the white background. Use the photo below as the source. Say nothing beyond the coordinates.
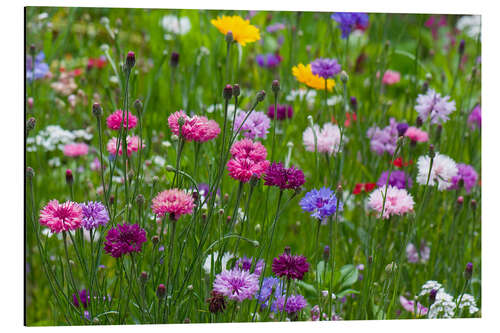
(12, 164)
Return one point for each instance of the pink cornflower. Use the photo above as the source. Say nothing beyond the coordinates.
(416, 135)
(391, 77)
(196, 128)
(133, 145)
(410, 306)
(327, 139)
(61, 217)
(115, 120)
(398, 201)
(236, 284)
(248, 159)
(174, 202)
(76, 149)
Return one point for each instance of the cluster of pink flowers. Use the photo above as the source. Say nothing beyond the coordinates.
(397, 202)
(76, 149)
(116, 120)
(174, 202)
(133, 145)
(248, 159)
(196, 128)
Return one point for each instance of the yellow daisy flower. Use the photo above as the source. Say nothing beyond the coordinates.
(243, 31)
(304, 75)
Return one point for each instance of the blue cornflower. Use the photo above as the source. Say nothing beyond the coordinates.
(321, 203)
(39, 69)
(350, 21)
(271, 287)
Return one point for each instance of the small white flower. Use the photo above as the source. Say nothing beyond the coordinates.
(443, 170)
(207, 266)
(467, 301)
(470, 24)
(302, 93)
(176, 25)
(443, 306)
(429, 286)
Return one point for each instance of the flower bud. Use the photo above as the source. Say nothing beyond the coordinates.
(468, 271)
(326, 253)
(439, 130)
(255, 243)
(69, 177)
(344, 77)
(155, 239)
(228, 92)
(229, 37)
(339, 191)
(111, 199)
(161, 291)
(276, 86)
(354, 103)
(461, 47)
(258, 228)
(288, 250)
(473, 204)
(30, 173)
(432, 152)
(236, 90)
(30, 124)
(140, 199)
(32, 49)
(261, 95)
(419, 122)
(174, 59)
(138, 106)
(432, 295)
(31, 102)
(460, 200)
(96, 110)
(144, 277)
(187, 321)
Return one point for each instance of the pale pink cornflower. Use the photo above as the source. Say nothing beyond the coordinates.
(115, 120)
(397, 202)
(174, 202)
(248, 160)
(417, 135)
(391, 77)
(434, 107)
(410, 306)
(133, 145)
(327, 139)
(76, 149)
(442, 172)
(196, 128)
(61, 217)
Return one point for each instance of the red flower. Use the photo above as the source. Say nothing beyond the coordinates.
(366, 187)
(399, 163)
(350, 117)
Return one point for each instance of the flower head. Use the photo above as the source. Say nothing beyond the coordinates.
(216, 303)
(236, 284)
(119, 117)
(176, 25)
(76, 149)
(133, 145)
(279, 176)
(290, 266)
(327, 139)
(350, 21)
(294, 303)
(174, 202)
(397, 179)
(416, 134)
(467, 174)
(272, 288)
(410, 306)
(304, 74)
(124, 239)
(243, 32)
(391, 77)
(442, 172)
(248, 160)
(384, 140)
(256, 125)
(196, 128)
(37, 70)
(94, 214)
(434, 107)
(284, 111)
(61, 217)
(325, 68)
(321, 203)
(474, 119)
(246, 264)
(397, 201)
(270, 60)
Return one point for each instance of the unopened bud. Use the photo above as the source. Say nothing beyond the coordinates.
(354, 103)
(174, 59)
(155, 239)
(138, 106)
(228, 91)
(144, 277)
(461, 47)
(419, 122)
(96, 110)
(32, 49)
(261, 95)
(473, 204)
(111, 199)
(344, 77)
(439, 130)
(161, 291)
(229, 37)
(30, 124)
(326, 253)
(276, 86)
(69, 177)
(30, 173)
(140, 199)
(288, 250)
(432, 152)
(31, 102)
(187, 321)
(468, 271)
(236, 90)
(460, 200)
(130, 62)
(258, 228)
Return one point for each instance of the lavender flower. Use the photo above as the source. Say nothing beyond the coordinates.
(277, 175)
(284, 111)
(467, 174)
(351, 21)
(275, 27)
(272, 288)
(474, 119)
(236, 284)
(269, 60)
(39, 69)
(321, 203)
(294, 303)
(256, 125)
(246, 264)
(415, 255)
(433, 106)
(325, 68)
(397, 179)
(94, 215)
(383, 140)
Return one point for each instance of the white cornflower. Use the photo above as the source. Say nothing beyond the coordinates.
(176, 25)
(467, 301)
(470, 24)
(443, 170)
(334, 100)
(207, 265)
(302, 93)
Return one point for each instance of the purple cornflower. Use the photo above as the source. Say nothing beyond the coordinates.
(385, 139)
(321, 203)
(256, 125)
(474, 119)
(402, 127)
(275, 27)
(271, 287)
(246, 264)
(325, 68)
(279, 176)
(204, 191)
(397, 179)
(290, 266)
(284, 111)
(82, 298)
(294, 303)
(236, 284)
(467, 174)
(39, 69)
(351, 21)
(123, 239)
(433, 106)
(94, 214)
(269, 60)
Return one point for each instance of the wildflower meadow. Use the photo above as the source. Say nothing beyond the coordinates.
(214, 166)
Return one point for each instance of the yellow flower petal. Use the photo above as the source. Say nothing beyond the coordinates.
(304, 75)
(243, 31)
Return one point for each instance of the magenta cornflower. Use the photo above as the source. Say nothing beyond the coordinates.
(474, 119)
(284, 178)
(284, 111)
(196, 128)
(94, 214)
(256, 125)
(133, 145)
(76, 149)
(61, 217)
(397, 202)
(236, 284)
(416, 134)
(82, 298)
(325, 68)
(290, 266)
(467, 174)
(124, 239)
(434, 107)
(115, 120)
(248, 160)
(174, 202)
